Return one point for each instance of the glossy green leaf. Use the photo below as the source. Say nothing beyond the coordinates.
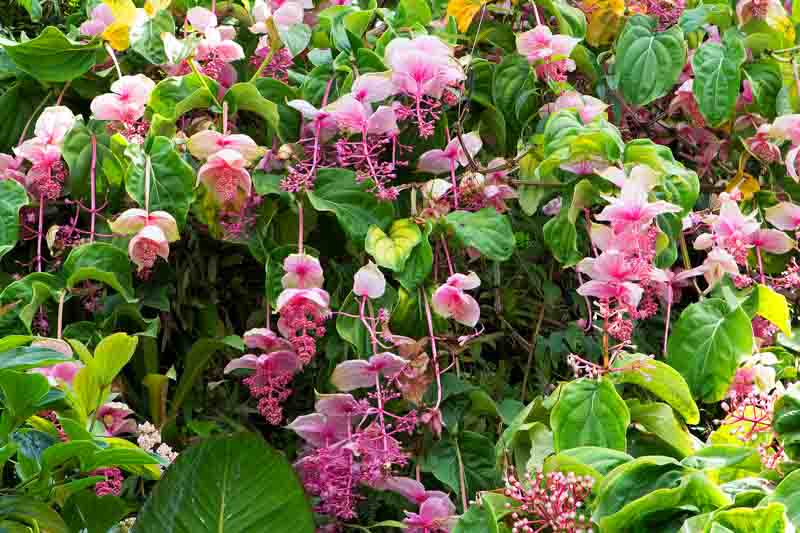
(707, 344)
(52, 57)
(717, 69)
(488, 231)
(561, 237)
(392, 250)
(589, 412)
(12, 198)
(659, 379)
(246, 97)
(101, 262)
(23, 396)
(213, 486)
(28, 509)
(788, 493)
(111, 355)
(786, 420)
(145, 38)
(419, 263)
(648, 62)
(27, 357)
(174, 96)
(659, 419)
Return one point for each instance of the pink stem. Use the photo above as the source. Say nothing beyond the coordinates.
(666, 325)
(300, 226)
(447, 255)
(433, 350)
(455, 183)
(40, 234)
(760, 266)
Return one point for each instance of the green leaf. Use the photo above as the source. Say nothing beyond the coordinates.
(419, 264)
(561, 237)
(695, 19)
(52, 57)
(707, 344)
(648, 491)
(393, 250)
(27, 357)
(659, 419)
(587, 460)
(647, 63)
(246, 97)
(351, 329)
(195, 363)
(336, 191)
(23, 395)
(33, 7)
(486, 230)
(477, 455)
(717, 69)
(660, 379)
(77, 152)
(296, 37)
(768, 304)
(475, 520)
(172, 97)
(171, 179)
(213, 486)
(146, 39)
(85, 511)
(101, 262)
(111, 355)
(61, 452)
(786, 420)
(123, 457)
(19, 105)
(571, 20)
(589, 413)
(29, 510)
(12, 198)
(765, 82)
(410, 12)
(23, 299)
(770, 518)
(788, 493)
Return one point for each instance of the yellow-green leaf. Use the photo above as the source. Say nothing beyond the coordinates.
(393, 250)
(463, 11)
(773, 307)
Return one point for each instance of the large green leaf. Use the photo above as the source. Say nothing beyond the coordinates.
(171, 178)
(392, 250)
(707, 344)
(717, 70)
(768, 519)
(111, 355)
(27, 510)
(486, 230)
(647, 63)
(659, 419)
(19, 104)
(660, 379)
(561, 237)
(233, 484)
(145, 38)
(788, 493)
(23, 299)
(77, 152)
(786, 420)
(174, 96)
(336, 191)
(419, 263)
(246, 97)
(648, 491)
(23, 395)
(102, 262)
(765, 82)
(51, 56)
(12, 198)
(589, 412)
(27, 357)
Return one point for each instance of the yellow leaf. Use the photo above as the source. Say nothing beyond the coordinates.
(118, 36)
(745, 183)
(464, 11)
(152, 7)
(773, 307)
(604, 20)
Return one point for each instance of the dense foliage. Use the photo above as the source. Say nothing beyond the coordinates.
(435, 265)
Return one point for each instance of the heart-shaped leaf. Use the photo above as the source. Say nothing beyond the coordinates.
(393, 250)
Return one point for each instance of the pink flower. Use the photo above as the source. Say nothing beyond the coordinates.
(761, 145)
(320, 118)
(435, 514)
(553, 207)
(127, 100)
(148, 244)
(718, 263)
(60, 373)
(374, 87)
(283, 13)
(369, 281)
(113, 416)
(791, 163)
(51, 127)
(450, 300)
(422, 66)
(265, 340)
(100, 19)
(316, 296)
(274, 363)
(133, 221)
(356, 374)
(539, 44)
(785, 216)
(772, 241)
(302, 272)
(9, 168)
(632, 208)
(588, 107)
(318, 429)
(411, 489)
(787, 127)
(354, 116)
(343, 406)
(201, 19)
(612, 275)
(440, 161)
(206, 143)
(730, 229)
(744, 382)
(226, 177)
(218, 45)
(670, 282)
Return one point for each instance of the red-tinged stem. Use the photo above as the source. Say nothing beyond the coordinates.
(447, 255)
(93, 185)
(40, 234)
(455, 182)
(61, 94)
(760, 266)
(433, 350)
(60, 313)
(300, 227)
(666, 325)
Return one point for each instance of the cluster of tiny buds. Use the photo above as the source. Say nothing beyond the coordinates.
(553, 501)
(751, 412)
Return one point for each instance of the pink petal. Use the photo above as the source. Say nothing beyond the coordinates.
(265, 340)
(350, 114)
(336, 405)
(302, 272)
(563, 45)
(785, 216)
(375, 87)
(108, 107)
(383, 122)
(249, 362)
(535, 44)
(473, 144)
(204, 144)
(434, 162)
(316, 296)
(351, 375)
(449, 301)
(369, 281)
(130, 222)
(53, 124)
(201, 18)
(464, 281)
(134, 89)
(288, 14)
(317, 430)
(787, 127)
(166, 222)
(143, 247)
(791, 163)
(772, 241)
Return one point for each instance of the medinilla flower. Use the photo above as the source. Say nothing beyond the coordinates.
(318, 429)
(409, 488)
(453, 156)
(339, 405)
(718, 262)
(786, 127)
(588, 107)
(373, 87)
(358, 373)
(206, 143)
(101, 17)
(131, 221)
(730, 229)
(284, 13)
(761, 145)
(127, 100)
(148, 244)
(60, 373)
(114, 417)
(274, 363)
(353, 116)
(265, 340)
(631, 209)
(450, 300)
(435, 514)
(549, 52)
(612, 278)
(321, 119)
(422, 66)
(785, 216)
(369, 281)
(51, 127)
(225, 176)
(771, 240)
(302, 272)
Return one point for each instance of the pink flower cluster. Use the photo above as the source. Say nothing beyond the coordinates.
(125, 105)
(552, 502)
(549, 53)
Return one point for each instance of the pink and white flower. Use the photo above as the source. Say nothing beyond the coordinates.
(114, 417)
(588, 107)
(357, 374)
(127, 100)
(369, 281)
(440, 161)
(450, 300)
(785, 216)
(226, 177)
(101, 17)
(303, 271)
(132, 221)
(422, 66)
(206, 143)
(147, 245)
(612, 278)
